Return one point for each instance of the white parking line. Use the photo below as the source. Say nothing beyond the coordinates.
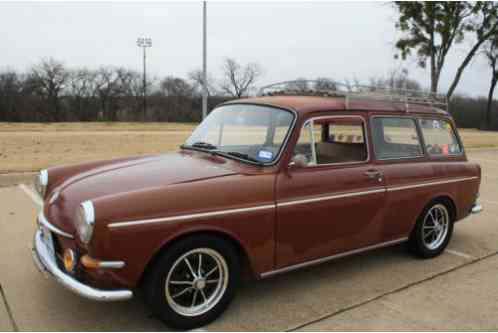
(200, 329)
(33, 196)
(459, 254)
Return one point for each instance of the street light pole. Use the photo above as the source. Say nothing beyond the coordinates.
(204, 63)
(144, 43)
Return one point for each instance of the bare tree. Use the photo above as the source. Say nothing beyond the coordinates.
(82, 89)
(175, 86)
(238, 80)
(491, 53)
(299, 85)
(322, 83)
(397, 78)
(11, 88)
(177, 96)
(196, 79)
(48, 80)
(351, 85)
(111, 84)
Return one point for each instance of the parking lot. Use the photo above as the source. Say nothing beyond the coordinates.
(386, 289)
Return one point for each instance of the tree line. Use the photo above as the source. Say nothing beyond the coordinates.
(52, 92)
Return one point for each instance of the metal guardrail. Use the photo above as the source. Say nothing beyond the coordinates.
(355, 91)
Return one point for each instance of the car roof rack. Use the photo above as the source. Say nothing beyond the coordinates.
(328, 88)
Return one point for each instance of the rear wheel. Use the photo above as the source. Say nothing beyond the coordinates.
(193, 281)
(433, 230)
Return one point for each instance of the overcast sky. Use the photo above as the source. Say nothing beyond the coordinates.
(290, 40)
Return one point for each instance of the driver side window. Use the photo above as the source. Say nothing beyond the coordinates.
(335, 140)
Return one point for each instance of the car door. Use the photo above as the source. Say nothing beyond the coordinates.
(400, 156)
(331, 198)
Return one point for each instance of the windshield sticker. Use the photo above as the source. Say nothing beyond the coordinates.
(265, 155)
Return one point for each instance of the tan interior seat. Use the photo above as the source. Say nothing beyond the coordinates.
(335, 152)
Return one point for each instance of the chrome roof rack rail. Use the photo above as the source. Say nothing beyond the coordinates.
(354, 92)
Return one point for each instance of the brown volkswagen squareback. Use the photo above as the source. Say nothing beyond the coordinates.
(263, 186)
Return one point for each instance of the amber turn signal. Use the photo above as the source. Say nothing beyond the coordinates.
(89, 262)
(69, 260)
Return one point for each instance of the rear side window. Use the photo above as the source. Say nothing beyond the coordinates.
(439, 137)
(396, 137)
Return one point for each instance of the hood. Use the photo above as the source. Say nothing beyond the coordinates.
(122, 177)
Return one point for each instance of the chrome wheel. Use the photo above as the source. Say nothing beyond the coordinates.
(435, 227)
(196, 282)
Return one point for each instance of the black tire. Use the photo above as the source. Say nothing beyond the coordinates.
(420, 244)
(169, 266)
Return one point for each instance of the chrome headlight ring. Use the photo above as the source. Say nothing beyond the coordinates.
(85, 221)
(41, 182)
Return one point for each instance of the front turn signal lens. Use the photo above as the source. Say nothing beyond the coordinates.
(89, 262)
(69, 260)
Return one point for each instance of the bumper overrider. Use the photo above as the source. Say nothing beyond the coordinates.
(47, 265)
(476, 208)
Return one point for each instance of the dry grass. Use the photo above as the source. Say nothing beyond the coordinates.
(28, 147)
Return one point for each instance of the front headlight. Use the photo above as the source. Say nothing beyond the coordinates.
(85, 220)
(41, 182)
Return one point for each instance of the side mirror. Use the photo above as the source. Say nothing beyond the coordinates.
(298, 161)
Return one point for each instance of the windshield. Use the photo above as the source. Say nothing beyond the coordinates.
(249, 132)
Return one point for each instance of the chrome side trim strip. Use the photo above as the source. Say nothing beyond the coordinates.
(335, 256)
(279, 204)
(43, 220)
(191, 216)
(406, 187)
(329, 197)
(111, 264)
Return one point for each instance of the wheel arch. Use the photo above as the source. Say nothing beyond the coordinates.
(449, 202)
(444, 198)
(246, 266)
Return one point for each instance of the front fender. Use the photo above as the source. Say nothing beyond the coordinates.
(135, 226)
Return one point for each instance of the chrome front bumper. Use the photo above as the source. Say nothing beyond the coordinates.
(46, 264)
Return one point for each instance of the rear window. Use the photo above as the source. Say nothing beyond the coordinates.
(439, 137)
(396, 137)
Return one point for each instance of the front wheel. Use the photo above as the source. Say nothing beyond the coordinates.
(433, 231)
(193, 282)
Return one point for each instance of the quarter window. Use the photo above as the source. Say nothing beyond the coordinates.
(331, 141)
(439, 137)
(396, 137)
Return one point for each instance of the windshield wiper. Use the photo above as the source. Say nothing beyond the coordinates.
(204, 145)
(212, 149)
(244, 157)
(200, 146)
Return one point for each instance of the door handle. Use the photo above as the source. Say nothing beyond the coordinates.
(374, 174)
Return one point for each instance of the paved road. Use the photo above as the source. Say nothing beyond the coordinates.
(385, 289)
